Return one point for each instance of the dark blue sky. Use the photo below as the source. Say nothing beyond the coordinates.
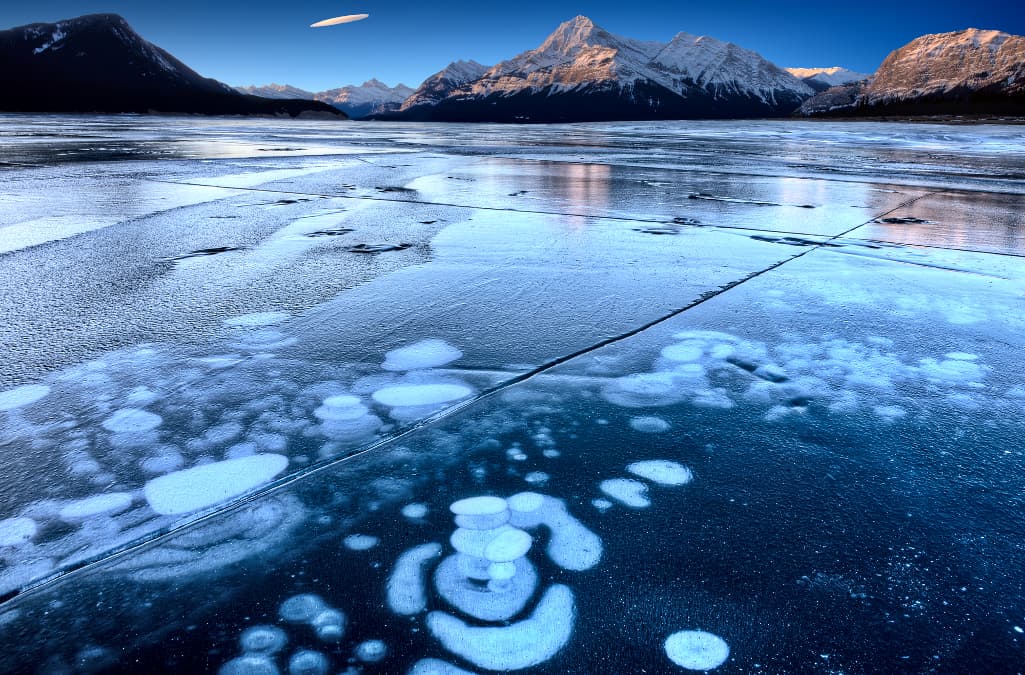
(258, 42)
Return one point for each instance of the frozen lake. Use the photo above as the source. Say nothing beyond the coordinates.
(317, 397)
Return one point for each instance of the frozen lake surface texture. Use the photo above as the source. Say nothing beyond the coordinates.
(617, 398)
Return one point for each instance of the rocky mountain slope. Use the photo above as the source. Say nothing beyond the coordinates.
(97, 63)
(965, 72)
(821, 79)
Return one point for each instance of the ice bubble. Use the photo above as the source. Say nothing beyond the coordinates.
(502, 570)
(484, 521)
(889, 413)
(415, 395)
(360, 542)
(436, 667)
(263, 640)
(24, 395)
(526, 502)
(527, 643)
(508, 546)
(649, 425)
(951, 370)
(371, 651)
(132, 421)
(301, 608)
(961, 356)
(473, 542)
(626, 491)
(697, 650)
(662, 471)
(537, 477)
(571, 545)
(244, 449)
(423, 354)
(164, 463)
(684, 352)
(141, 396)
(114, 502)
(256, 319)
(484, 602)
(415, 511)
(643, 389)
(250, 664)
(406, 588)
(17, 531)
(329, 625)
(308, 662)
(478, 506)
(203, 486)
(602, 505)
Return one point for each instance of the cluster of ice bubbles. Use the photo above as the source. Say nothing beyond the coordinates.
(262, 646)
(177, 438)
(716, 370)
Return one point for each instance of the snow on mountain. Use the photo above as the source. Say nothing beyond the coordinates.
(823, 78)
(277, 91)
(970, 71)
(583, 72)
(373, 96)
(443, 83)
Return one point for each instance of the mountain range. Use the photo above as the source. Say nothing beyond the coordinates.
(97, 63)
(371, 97)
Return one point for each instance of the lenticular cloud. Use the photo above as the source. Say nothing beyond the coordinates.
(348, 18)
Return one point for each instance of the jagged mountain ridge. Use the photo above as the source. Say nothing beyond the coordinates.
(963, 72)
(373, 96)
(581, 72)
(97, 63)
(278, 91)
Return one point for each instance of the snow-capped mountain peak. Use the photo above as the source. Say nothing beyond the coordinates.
(833, 76)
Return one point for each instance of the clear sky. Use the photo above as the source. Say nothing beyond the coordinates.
(255, 42)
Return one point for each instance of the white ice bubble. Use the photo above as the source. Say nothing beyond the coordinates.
(203, 486)
(302, 608)
(329, 625)
(697, 650)
(407, 587)
(360, 542)
(662, 471)
(602, 505)
(166, 462)
(961, 356)
(502, 570)
(436, 667)
(132, 421)
(24, 395)
(508, 546)
(308, 662)
(649, 425)
(256, 319)
(626, 491)
(250, 664)
(105, 504)
(17, 531)
(537, 477)
(487, 521)
(526, 502)
(473, 542)
(420, 355)
(527, 643)
(643, 389)
(416, 395)
(415, 511)
(890, 413)
(485, 602)
(684, 352)
(263, 640)
(371, 651)
(952, 370)
(571, 545)
(478, 506)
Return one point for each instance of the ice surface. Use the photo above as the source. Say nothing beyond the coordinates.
(204, 486)
(526, 643)
(697, 650)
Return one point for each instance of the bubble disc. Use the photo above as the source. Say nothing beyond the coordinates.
(338, 20)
